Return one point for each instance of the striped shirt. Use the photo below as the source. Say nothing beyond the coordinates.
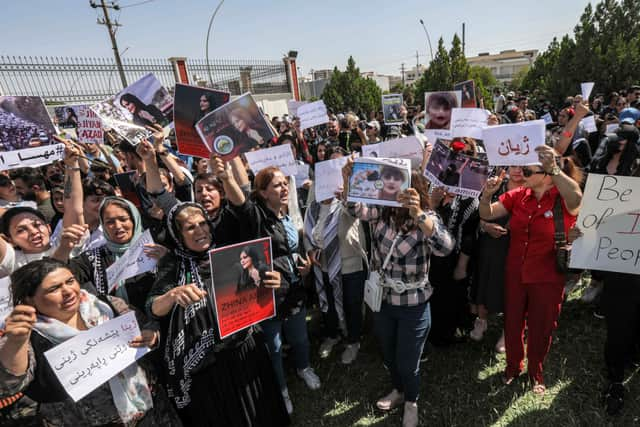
(409, 260)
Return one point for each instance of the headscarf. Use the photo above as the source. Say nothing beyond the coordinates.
(129, 388)
(191, 332)
(118, 249)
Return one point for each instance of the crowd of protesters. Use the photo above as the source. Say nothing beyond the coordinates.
(446, 263)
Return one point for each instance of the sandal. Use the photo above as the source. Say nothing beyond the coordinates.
(507, 380)
(390, 401)
(539, 389)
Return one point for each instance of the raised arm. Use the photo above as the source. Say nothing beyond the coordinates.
(570, 129)
(232, 190)
(567, 187)
(73, 206)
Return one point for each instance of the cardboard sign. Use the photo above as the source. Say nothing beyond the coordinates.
(400, 148)
(192, 103)
(328, 178)
(240, 298)
(82, 120)
(91, 358)
(235, 128)
(391, 108)
(468, 91)
(280, 156)
(458, 173)
(133, 262)
(379, 181)
(24, 124)
(468, 122)
(514, 144)
(312, 114)
(610, 223)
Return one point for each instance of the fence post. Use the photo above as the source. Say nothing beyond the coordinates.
(292, 73)
(179, 66)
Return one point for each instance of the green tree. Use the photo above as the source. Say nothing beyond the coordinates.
(458, 66)
(437, 76)
(349, 91)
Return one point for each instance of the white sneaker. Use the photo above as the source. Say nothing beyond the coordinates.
(310, 378)
(350, 353)
(390, 401)
(592, 292)
(327, 346)
(500, 348)
(410, 417)
(287, 401)
(479, 328)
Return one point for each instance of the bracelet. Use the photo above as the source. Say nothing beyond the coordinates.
(71, 168)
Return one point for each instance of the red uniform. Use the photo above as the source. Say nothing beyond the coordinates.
(533, 287)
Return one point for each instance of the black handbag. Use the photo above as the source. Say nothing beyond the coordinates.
(563, 250)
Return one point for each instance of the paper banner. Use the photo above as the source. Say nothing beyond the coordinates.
(514, 144)
(31, 157)
(610, 223)
(91, 358)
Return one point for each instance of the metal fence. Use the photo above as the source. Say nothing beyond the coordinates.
(68, 79)
(236, 77)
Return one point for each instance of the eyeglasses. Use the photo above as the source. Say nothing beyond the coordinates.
(528, 172)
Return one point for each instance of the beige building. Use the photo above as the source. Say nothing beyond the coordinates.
(505, 65)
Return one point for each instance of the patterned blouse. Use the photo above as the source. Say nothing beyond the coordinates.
(409, 261)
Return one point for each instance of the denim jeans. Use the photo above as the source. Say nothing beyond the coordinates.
(352, 299)
(402, 331)
(295, 329)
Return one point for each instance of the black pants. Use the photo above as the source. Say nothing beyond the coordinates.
(621, 305)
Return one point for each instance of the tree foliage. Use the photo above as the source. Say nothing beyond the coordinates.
(605, 49)
(349, 91)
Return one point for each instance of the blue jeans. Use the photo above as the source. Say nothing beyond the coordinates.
(402, 331)
(295, 329)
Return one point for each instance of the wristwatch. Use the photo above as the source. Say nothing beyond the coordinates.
(554, 171)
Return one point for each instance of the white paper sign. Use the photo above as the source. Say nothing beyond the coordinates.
(435, 134)
(399, 148)
(91, 358)
(280, 156)
(293, 106)
(589, 124)
(610, 222)
(586, 89)
(612, 127)
(5, 300)
(300, 172)
(547, 119)
(312, 114)
(328, 176)
(514, 144)
(31, 157)
(468, 122)
(133, 262)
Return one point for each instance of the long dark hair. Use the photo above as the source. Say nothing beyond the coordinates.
(399, 217)
(26, 280)
(132, 99)
(211, 100)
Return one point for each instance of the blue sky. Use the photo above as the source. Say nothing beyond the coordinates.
(379, 34)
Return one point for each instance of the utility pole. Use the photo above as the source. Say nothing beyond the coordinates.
(402, 70)
(417, 63)
(111, 27)
(463, 39)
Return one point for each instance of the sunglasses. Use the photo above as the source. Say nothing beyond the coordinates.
(528, 172)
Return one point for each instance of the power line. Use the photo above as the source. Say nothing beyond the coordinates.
(136, 4)
(111, 28)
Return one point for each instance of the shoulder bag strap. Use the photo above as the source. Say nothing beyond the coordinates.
(558, 220)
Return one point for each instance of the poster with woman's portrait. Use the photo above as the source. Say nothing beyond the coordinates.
(467, 90)
(238, 272)
(142, 105)
(81, 119)
(192, 103)
(457, 172)
(235, 128)
(379, 181)
(391, 106)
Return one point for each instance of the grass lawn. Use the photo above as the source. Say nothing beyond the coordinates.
(461, 385)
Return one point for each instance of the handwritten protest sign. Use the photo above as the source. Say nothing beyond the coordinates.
(5, 300)
(328, 176)
(312, 114)
(586, 89)
(391, 108)
(379, 181)
(589, 124)
(133, 262)
(91, 358)
(399, 148)
(610, 222)
(240, 298)
(612, 127)
(81, 119)
(468, 122)
(514, 144)
(293, 106)
(457, 172)
(280, 156)
(547, 119)
(300, 172)
(31, 157)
